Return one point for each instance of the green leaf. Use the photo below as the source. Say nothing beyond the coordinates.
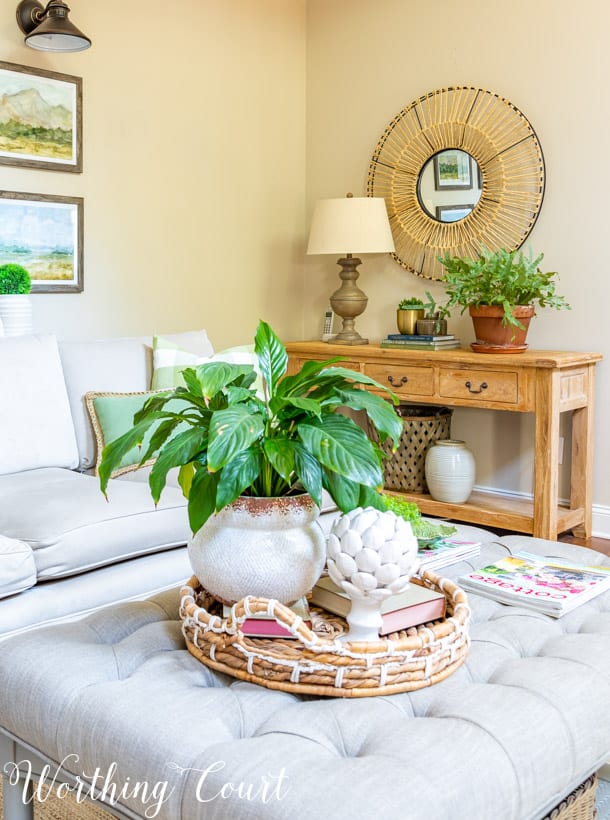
(176, 452)
(237, 476)
(185, 478)
(215, 376)
(231, 431)
(113, 453)
(342, 447)
(202, 498)
(272, 356)
(160, 435)
(306, 405)
(309, 472)
(280, 453)
(380, 412)
(302, 382)
(345, 493)
(192, 382)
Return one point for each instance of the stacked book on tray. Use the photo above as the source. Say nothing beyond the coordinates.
(417, 605)
(419, 342)
(552, 587)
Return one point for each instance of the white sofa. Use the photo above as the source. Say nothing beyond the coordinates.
(64, 549)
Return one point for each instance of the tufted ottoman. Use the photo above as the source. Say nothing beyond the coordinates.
(117, 701)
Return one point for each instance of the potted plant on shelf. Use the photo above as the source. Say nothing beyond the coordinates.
(501, 290)
(15, 305)
(434, 322)
(253, 465)
(407, 314)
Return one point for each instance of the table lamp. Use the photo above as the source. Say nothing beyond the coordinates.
(352, 224)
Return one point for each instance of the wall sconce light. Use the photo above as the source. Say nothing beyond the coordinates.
(48, 28)
(353, 224)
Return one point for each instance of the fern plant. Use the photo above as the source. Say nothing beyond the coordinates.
(505, 278)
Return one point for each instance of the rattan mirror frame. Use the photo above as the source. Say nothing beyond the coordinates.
(505, 146)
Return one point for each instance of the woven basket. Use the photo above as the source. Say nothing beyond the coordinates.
(316, 661)
(579, 804)
(422, 426)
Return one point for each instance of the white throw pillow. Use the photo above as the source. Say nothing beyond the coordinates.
(170, 359)
(36, 427)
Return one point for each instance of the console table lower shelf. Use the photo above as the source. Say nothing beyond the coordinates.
(316, 661)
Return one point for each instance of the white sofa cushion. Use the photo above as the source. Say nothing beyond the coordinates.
(35, 418)
(112, 365)
(17, 569)
(71, 527)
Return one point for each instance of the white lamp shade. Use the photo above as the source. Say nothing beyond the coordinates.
(357, 224)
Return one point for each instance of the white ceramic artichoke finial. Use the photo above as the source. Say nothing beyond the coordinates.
(371, 555)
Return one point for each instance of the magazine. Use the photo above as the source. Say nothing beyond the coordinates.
(441, 552)
(547, 586)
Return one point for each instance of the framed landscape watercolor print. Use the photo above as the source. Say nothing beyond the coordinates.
(452, 170)
(40, 118)
(44, 234)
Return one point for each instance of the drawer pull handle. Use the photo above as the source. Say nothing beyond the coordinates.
(404, 380)
(480, 390)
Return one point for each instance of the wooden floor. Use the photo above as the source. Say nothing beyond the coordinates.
(599, 544)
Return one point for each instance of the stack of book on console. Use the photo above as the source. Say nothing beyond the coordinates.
(417, 605)
(265, 626)
(539, 584)
(442, 552)
(420, 342)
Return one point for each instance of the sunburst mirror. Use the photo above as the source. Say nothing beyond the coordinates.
(460, 169)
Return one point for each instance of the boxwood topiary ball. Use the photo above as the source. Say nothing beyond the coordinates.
(14, 279)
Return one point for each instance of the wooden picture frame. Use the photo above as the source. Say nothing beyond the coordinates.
(41, 122)
(44, 234)
(452, 170)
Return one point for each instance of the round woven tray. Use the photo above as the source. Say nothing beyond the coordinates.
(316, 661)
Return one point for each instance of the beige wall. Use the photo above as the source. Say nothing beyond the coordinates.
(194, 166)
(368, 59)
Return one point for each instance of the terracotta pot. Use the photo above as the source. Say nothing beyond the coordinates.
(267, 547)
(500, 338)
(406, 319)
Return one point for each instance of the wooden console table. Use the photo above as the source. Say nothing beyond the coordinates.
(544, 382)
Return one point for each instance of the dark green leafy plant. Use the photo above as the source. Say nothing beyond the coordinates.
(289, 439)
(411, 304)
(14, 279)
(502, 277)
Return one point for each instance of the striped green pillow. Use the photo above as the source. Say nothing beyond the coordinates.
(169, 361)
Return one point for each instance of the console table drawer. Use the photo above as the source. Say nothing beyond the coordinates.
(413, 380)
(479, 385)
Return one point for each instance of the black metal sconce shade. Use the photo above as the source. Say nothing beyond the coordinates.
(49, 29)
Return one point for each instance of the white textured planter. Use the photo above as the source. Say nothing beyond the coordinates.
(266, 547)
(16, 314)
(450, 471)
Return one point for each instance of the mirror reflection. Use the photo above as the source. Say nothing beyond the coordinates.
(449, 185)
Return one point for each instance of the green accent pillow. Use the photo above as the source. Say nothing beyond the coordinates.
(169, 361)
(112, 415)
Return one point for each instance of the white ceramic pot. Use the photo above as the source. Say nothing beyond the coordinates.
(266, 547)
(16, 314)
(450, 471)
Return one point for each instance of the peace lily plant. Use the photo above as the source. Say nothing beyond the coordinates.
(230, 441)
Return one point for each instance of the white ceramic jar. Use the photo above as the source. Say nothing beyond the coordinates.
(450, 471)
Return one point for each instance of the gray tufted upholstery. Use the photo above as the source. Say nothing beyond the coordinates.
(517, 727)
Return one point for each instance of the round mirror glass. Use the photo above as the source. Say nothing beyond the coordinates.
(449, 185)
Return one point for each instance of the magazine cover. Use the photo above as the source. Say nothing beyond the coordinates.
(538, 583)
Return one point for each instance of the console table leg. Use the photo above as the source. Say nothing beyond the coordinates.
(546, 459)
(581, 480)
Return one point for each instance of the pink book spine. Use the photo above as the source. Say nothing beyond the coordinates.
(266, 626)
(413, 616)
